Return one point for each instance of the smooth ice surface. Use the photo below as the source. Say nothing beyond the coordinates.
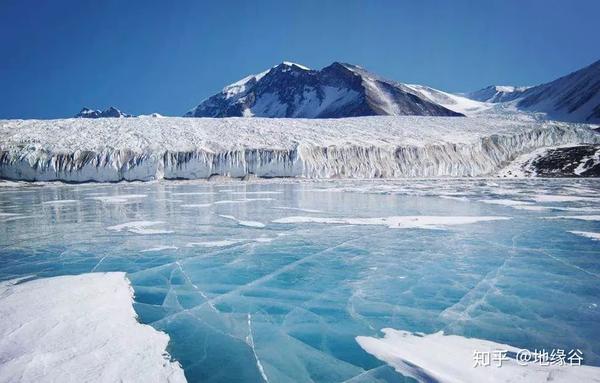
(111, 149)
(213, 267)
(449, 359)
(78, 329)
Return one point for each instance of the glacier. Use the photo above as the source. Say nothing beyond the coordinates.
(80, 150)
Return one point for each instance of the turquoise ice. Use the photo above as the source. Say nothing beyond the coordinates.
(276, 279)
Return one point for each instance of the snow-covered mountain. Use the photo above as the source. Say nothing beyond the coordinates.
(574, 97)
(497, 93)
(110, 112)
(339, 90)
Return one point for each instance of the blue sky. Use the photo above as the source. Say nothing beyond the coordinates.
(158, 56)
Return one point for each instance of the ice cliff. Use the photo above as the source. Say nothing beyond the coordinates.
(80, 150)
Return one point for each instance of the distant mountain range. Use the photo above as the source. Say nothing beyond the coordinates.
(110, 112)
(338, 90)
(345, 90)
(574, 97)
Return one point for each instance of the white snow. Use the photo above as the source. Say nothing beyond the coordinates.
(505, 202)
(398, 222)
(289, 63)
(588, 234)
(118, 198)
(246, 223)
(140, 227)
(79, 329)
(60, 202)
(587, 163)
(297, 209)
(158, 248)
(221, 243)
(451, 101)
(450, 359)
(81, 150)
(563, 198)
(577, 217)
(236, 201)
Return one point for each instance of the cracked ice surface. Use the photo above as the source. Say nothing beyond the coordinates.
(235, 282)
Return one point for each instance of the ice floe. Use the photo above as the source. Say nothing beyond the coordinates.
(563, 198)
(398, 222)
(61, 202)
(450, 359)
(118, 198)
(79, 328)
(577, 217)
(235, 201)
(159, 248)
(140, 227)
(255, 224)
(297, 209)
(587, 234)
(221, 243)
(505, 202)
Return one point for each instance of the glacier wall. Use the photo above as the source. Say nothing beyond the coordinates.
(473, 153)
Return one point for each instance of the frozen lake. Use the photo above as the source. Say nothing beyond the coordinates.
(273, 281)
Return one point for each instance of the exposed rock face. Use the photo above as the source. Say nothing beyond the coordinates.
(576, 161)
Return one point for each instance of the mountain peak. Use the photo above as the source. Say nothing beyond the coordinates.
(292, 64)
(338, 90)
(110, 112)
(574, 97)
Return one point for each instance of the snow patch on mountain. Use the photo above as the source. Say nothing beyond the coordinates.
(497, 93)
(451, 101)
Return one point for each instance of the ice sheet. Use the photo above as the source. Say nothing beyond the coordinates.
(78, 329)
(450, 359)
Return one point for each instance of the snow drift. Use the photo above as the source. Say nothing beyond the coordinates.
(450, 359)
(79, 328)
(79, 150)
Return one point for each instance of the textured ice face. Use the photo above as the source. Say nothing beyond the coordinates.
(285, 301)
(80, 150)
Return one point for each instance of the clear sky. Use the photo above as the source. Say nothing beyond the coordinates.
(166, 56)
